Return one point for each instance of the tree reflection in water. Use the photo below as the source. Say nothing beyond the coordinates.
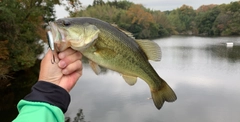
(79, 117)
(232, 54)
(14, 89)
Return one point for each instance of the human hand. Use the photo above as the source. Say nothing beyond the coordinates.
(65, 72)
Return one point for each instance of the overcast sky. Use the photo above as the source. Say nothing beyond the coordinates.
(154, 4)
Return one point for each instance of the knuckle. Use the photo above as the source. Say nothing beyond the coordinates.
(78, 55)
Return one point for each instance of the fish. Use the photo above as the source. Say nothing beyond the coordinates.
(108, 46)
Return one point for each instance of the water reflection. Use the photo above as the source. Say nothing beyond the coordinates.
(15, 89)
(78, 118)
(232, 54)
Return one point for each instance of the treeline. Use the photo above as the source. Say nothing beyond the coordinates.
(135, 18)
(207, 20)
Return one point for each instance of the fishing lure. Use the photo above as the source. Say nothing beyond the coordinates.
(51, 44)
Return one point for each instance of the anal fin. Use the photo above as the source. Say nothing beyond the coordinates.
(131, 80)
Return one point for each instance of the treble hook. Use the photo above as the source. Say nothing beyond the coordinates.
(53, 60)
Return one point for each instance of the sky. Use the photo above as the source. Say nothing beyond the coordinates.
(162, 5)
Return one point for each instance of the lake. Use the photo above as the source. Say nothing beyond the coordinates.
(203, 72)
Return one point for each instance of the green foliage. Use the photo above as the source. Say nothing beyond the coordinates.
(21, 28)
(134, 18)
(104, 12)
(163, 31)
(98, 2)
(233, 6)
(207, 20)
(120, 4)
(182, 19)
(174, 19)
(227, 22)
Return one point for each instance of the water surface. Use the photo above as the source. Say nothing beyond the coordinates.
(203, 72)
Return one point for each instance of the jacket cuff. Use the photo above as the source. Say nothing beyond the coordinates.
(50, 93)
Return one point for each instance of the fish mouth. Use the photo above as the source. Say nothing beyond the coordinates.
(58, 34)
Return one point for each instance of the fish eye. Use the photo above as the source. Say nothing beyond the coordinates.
(63, 22)
(66, 23)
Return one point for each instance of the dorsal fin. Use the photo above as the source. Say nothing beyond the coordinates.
(124, 31)
(151, 49)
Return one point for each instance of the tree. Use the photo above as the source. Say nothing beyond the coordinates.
(140, 17)
(18, 25)
(182, 18)
(161, 18)
(104, 12)
(205, 8)
(125, 5)
(227, 22)
(177, 24)
(205, 21)
(233, 25)
(98, 2)
(220, 24)
(21, 29)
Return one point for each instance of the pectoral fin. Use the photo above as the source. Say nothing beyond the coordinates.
(151, 49)
(131, 80)
(95, 67)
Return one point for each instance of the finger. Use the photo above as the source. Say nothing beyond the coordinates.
(73, 78)
(75, 75)
(65, 53)
(69, 81)
(76, 66)
(70, 59)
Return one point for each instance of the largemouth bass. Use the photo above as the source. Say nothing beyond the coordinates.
(108, 46)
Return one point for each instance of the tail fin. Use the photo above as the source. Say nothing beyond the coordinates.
(164, 93)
